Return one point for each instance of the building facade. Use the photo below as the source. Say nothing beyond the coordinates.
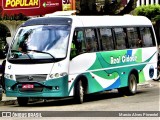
(143, 2)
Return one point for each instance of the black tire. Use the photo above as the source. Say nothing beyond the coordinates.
(2, 77)
(131, 89)
(156, 79)
(1, 93)
(22, 101)
(0, 97)
(79, 92)
(158, 76)
(3, 82)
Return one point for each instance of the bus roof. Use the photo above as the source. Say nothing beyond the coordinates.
(126, 20)
(62, 13)
(88, 21)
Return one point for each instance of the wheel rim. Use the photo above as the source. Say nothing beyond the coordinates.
(133, 83)
(81, 91)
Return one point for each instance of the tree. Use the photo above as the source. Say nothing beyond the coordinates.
(3, 31)
(150, 11)
(111, 7)
(19, 16)
(1, 9)
(153, 13)
(87, 7)
(3, 34)
(129, 7)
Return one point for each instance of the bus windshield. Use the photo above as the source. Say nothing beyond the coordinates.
(40, 42)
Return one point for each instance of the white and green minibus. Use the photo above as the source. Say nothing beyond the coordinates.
(62, 56)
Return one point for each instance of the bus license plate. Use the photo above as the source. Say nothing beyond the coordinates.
(27, 86)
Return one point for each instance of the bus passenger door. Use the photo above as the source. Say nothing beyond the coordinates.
(79, 56)
(83, 55)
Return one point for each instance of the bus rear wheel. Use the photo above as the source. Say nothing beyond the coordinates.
(22, 101)
(131, 89)
(79, 92)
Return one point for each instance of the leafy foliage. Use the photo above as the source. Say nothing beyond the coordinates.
(110, 7)
(157, 18)
(130, 6)
(19, 16)
(153, 13)
(150, 11)
(3, 34)
(3, 30)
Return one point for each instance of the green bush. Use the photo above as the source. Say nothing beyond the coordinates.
(150, 11)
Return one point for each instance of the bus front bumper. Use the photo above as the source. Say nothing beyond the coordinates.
(48, 88)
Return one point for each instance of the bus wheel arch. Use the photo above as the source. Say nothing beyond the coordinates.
(80, 88)
(135, 72)
(132, 81)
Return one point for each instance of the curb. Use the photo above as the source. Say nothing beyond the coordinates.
(8, 100)
(148, 84)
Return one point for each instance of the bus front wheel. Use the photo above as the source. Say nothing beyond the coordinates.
(131, 89)
(22, 101)
(79, 92)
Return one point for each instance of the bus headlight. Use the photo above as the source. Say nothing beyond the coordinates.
(8, 76)
(51, 76)
(57, 75)
(63, 74)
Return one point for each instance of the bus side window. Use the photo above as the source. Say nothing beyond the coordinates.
(146, 36)
(133, 38)
(106, 39)
(78, 45)
(120, 38)
(91, 40)
(81, 42)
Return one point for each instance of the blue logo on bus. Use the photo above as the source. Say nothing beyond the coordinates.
(151, 71)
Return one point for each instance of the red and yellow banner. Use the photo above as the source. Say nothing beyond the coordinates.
(34, 7)
(66, 5)
(12, 4)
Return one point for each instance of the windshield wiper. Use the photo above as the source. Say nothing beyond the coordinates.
(43, 52)
(16, 51)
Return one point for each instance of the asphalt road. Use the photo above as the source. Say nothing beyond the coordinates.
(106, 105)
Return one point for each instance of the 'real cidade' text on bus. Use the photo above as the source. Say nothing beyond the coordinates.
(62, 56)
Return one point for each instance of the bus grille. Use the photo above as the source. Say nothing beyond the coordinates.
(25, 78)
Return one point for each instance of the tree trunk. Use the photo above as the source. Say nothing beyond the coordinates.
(87, 7)
(157, 31)
(129, 7)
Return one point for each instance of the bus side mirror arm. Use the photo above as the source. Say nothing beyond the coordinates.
(72, 54)
(71, 57)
